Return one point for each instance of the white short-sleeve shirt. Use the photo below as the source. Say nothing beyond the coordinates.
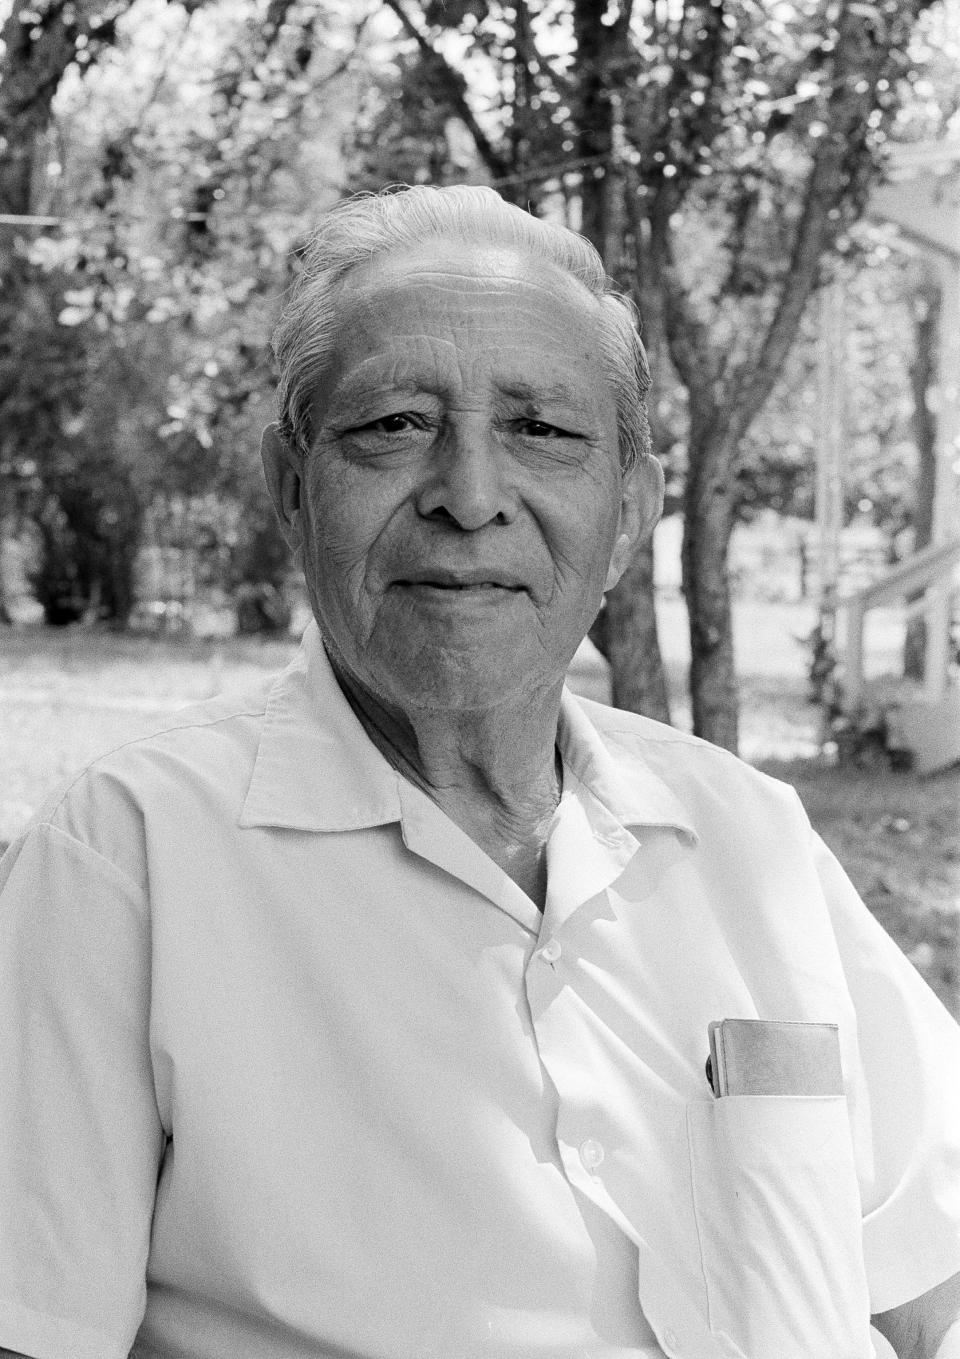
(290, 1068)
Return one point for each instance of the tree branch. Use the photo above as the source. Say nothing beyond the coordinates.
(687, 334)
(455, 90)
(837, 175)
(750, 384)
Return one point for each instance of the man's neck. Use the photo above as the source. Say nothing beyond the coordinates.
(494, 771)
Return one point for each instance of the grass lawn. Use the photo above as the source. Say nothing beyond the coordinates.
(898, 837)
(68, 695)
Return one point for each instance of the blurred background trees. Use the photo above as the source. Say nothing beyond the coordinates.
(160, 165)
(176, 155)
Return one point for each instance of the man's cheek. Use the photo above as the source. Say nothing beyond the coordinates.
(341, 542)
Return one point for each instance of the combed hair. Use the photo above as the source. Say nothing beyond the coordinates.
(368, 225)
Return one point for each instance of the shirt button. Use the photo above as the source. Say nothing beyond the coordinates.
(591, 1154)
(551, 951)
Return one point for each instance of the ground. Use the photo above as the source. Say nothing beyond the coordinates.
(66, 695)
(898, 837)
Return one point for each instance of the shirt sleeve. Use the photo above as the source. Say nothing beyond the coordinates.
(80, 1135)
(910, 1051)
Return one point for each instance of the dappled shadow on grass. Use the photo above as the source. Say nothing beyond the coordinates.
(28, 650)
(70, 694)
(776, 721)
(897, 834)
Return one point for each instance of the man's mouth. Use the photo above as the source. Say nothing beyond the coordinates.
(459, 587)
(461, 584)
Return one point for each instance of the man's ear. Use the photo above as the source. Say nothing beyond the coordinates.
(281, 467)
(641, 504)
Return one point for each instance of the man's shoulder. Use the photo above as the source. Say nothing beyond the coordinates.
(193, 735)
(618, 723)
(637, 734)
(203, 753)
(693, 768)
(157, 791)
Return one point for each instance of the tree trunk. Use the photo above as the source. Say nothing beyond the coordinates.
(708, 522)
(923, 372)
(628, 639)
(36, 49)
(627, 632)
(632, 641)
(594, 41)
(5, 615)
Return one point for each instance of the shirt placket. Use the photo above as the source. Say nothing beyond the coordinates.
(589, 851)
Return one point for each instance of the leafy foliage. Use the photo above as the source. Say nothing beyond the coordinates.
(134, 362)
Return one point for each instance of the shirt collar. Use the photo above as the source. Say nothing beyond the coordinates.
(316, 769)
(623, 784)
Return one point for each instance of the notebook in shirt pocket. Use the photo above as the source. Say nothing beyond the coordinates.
(778, 1215)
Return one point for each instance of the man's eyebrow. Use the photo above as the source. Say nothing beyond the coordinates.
(398, 380)
(360, 384)
(538, 395)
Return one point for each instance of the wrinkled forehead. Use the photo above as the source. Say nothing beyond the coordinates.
(467, 325)
(445, 313)
(446, 272)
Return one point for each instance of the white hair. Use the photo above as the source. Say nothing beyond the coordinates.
(368, 225)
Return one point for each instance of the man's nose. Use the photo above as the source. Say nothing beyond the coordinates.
(468, 476)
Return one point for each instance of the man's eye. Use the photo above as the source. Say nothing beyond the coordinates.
(540, 429)
(397, 423)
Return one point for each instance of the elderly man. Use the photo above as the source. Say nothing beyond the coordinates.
(366, 1015)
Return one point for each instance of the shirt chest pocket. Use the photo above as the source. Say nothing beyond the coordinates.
(779, 1221)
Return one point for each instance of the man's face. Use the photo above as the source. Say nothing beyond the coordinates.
(460, 505)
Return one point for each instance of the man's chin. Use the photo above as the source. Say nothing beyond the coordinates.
(449, 689)
(469, 679)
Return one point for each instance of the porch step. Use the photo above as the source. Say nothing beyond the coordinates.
(929, 729)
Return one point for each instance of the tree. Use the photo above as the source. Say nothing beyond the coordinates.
(134, 353)
(926, 324)
(722, 149)
(39, 44)
(38, 362)
(926, 312)
(881, 465)
(70, 422)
